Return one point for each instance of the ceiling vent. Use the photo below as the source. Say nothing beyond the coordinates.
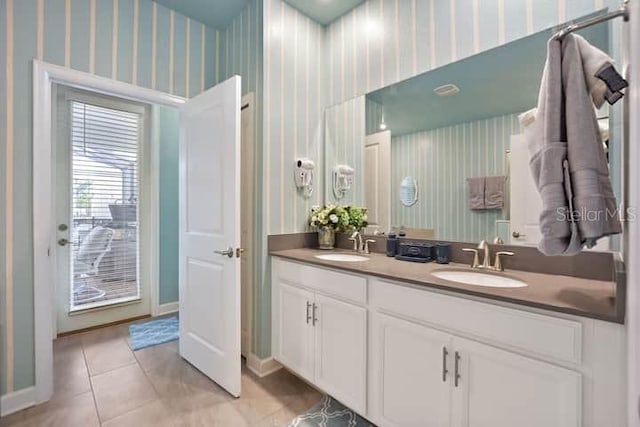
(447, 90)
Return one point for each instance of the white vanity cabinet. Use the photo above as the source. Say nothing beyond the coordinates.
(422, 376)
(403, 355)
(410, 374)
(320, 332)
(501, 388)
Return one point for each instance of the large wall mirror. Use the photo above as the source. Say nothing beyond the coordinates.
(446, 127)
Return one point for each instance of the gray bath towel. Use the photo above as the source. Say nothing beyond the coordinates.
(476, 192)
(494, 194)
(567, 161)
(594, 201)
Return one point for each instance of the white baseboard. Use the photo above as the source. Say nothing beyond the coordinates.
(17, 401)
(262, 367)
(168, 308)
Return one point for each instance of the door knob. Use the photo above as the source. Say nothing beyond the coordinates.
(228, 252)
(516, 235)
(63, 242)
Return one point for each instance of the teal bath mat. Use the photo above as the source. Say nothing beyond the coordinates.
(154, 332)
(329, 413)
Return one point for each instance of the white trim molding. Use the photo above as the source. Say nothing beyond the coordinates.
(17, 401)
(632, 231)
(163, 309)
(262, 367)
(44, 75)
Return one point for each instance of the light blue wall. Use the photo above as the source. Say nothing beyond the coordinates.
(441, 160)
(168, 125)
(24, 19)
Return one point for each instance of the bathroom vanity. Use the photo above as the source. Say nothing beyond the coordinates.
(402, 347)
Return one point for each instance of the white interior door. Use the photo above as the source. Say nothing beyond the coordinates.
(526, 204)
(210, 233)
(377, 180)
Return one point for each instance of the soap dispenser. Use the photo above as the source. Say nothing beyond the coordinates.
(392, 244)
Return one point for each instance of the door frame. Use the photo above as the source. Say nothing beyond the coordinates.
(44, 76)
(248, 100)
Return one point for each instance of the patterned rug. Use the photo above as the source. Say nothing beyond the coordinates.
(329, 413)
(154, 332)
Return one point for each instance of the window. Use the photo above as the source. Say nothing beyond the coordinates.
(104, 207)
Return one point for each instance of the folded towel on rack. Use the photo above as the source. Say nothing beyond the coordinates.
(476, 192)
(494, 194)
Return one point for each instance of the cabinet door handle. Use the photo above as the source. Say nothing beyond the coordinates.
(315, 318)
(456, 370)
(445, 371)
(308, 312)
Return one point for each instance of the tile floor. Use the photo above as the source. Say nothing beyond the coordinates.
(99, 381)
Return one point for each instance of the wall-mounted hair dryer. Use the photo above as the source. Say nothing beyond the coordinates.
(342, 180)
(303, 176)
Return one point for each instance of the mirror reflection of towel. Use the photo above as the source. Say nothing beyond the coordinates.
(476, 192)
(494, 192)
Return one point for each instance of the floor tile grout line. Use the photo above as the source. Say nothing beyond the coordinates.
(93, 393)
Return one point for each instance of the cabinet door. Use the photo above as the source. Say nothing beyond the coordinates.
(341, 351)
(294, 337)
(497, 388)
(411, 374)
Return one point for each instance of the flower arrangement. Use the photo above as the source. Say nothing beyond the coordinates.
(357, 217)
(331, 216)
(339, 218)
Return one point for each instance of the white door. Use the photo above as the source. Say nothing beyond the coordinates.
(526, 204)
(411, 374)
(377, 180)
(210, 233)
(341, 351)
(497, 388)
(293, 329)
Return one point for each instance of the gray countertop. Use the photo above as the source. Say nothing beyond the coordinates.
(583, 297)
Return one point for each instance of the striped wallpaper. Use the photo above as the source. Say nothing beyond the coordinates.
(441, 160)
(344, 144)
(293, 112)
(384, 41)
(241, 52)
(294, 102)
(135, 41)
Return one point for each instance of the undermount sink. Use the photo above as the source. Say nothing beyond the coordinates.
(479, 279)
(342, 257)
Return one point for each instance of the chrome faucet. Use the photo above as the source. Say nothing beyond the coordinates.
(357, 241)
(486, 261)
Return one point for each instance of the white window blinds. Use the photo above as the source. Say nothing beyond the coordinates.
(104, 207)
